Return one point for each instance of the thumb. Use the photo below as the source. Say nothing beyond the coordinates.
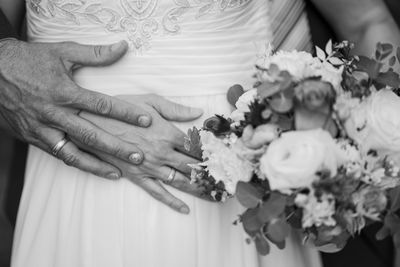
(92, 55)
(175, 112)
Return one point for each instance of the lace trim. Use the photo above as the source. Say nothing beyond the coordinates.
(135, 17)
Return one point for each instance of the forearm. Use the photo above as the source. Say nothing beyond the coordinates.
(366, 38)
(364, 22)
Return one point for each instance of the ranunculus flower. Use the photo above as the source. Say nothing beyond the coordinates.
(260, 136)
(223, 163)
(375, 123)
(370, 202)
(293, 160)
(315, 94)
(243, 103)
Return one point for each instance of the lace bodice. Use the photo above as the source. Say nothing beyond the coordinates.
(178, 47)
(140, 20)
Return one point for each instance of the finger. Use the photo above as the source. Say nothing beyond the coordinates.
(112, 107)
(179, 181)
(91, 136)
(173, 111)
(72, 156)
(180, 162)
(157, 191)
(92, 55)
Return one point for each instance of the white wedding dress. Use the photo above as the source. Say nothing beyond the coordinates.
(190, 51)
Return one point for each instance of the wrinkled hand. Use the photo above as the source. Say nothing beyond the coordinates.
(162, 145)
(40, 102)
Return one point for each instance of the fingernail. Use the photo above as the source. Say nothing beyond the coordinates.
(184, 210)
(144, 121)
(136, 157)
(113, 176)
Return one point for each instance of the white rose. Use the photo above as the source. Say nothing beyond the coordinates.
(375, 123)
(294, 62)
(223, 163)
(293, 160)
(242, 104)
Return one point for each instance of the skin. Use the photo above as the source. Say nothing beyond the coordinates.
(373, 24)
(40, 104)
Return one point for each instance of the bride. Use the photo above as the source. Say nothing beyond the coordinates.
(190, 52)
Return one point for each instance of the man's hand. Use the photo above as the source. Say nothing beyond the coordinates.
(41, 103)
(162, 144)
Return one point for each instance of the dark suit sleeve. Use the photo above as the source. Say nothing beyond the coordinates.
(6, 30)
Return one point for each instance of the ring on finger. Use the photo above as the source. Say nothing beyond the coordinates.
(59, 145)
(171, 176)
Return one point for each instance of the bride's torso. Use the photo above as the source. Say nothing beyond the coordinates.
(177, 47)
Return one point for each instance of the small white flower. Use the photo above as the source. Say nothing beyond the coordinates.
(243, 103)
(223, 163)
(316, 211)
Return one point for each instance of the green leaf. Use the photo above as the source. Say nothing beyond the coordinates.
(234, 93)
(192, 144)
(272, 208)
(320, 53)
(389, 78)
(398, 54)
(277, 232)
(251, 223)
(383, 51)
(369, 66)
(392, 61)
(262, 245)
(248, 195)
(329, 47)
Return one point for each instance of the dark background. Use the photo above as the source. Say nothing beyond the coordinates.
(362, 251)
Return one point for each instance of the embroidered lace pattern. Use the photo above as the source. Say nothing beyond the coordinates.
(136, 18)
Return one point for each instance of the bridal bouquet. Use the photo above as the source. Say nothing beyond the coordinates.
(314, 146)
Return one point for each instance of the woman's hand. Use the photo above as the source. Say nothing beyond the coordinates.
(162, 147)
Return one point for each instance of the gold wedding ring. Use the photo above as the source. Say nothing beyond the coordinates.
(171, 176)
(57, 147)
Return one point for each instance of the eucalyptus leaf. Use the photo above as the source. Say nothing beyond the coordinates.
(392, 61)
(370, 66)
(389, 78)
(248, 195)
(277, 232)
(262, 245)
(251, 223)
(234, 93)
(272, 208)
(383, 51)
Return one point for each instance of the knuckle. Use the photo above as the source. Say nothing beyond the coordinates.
(89, 138)
(49, 113)
(97, 51)
(71, 160)
(103, 106)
